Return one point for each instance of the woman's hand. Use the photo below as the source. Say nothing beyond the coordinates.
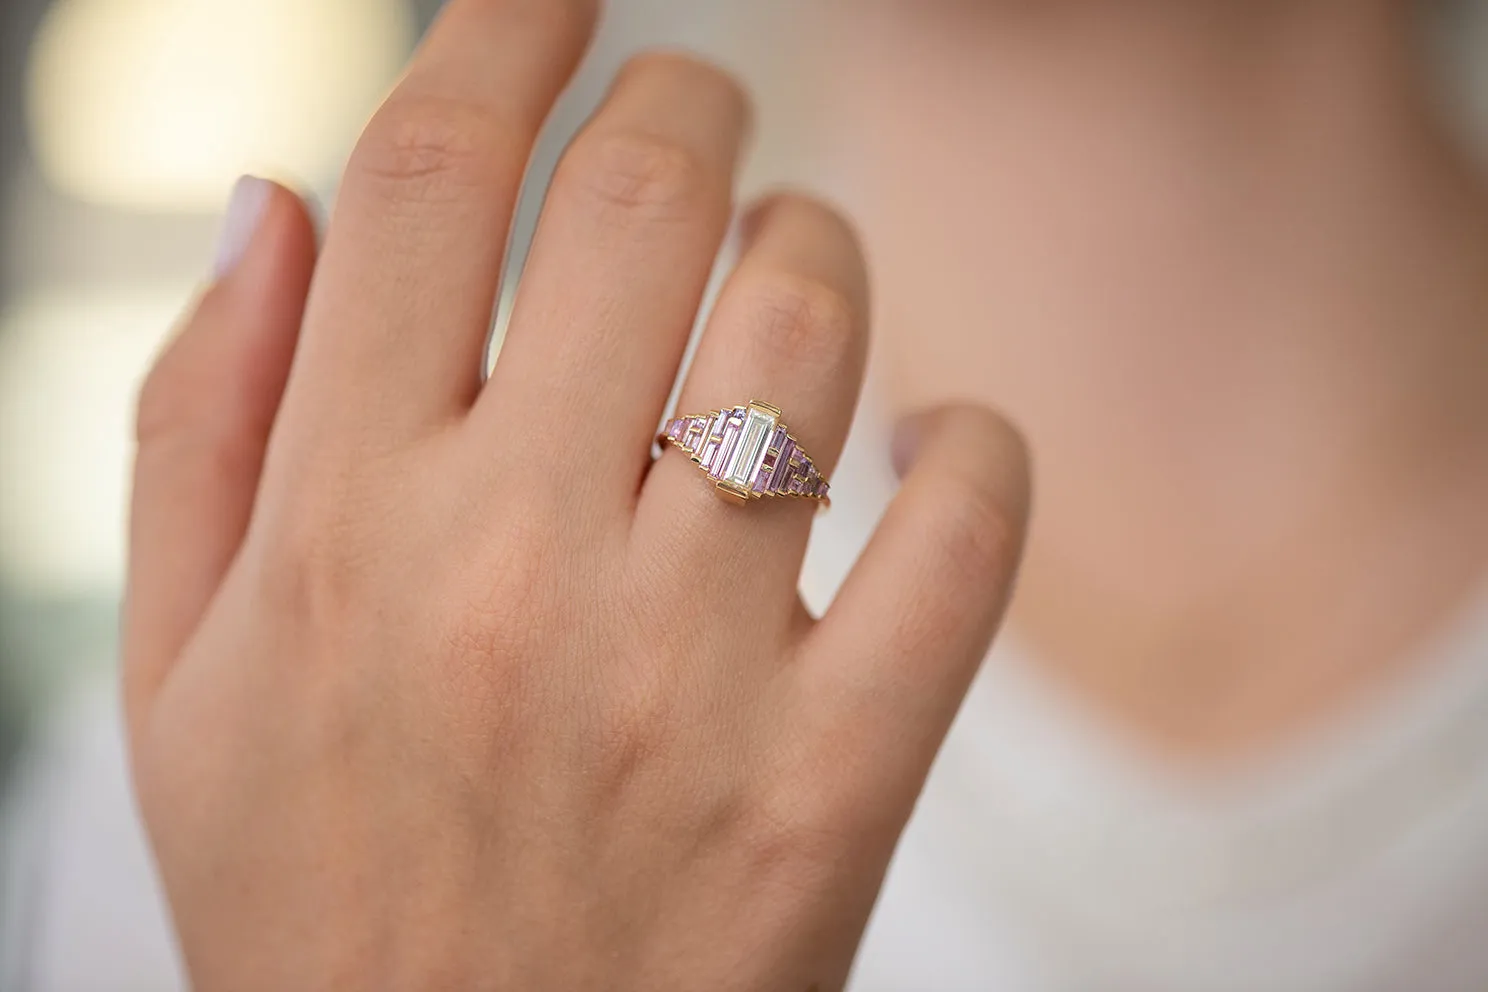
(436, 685)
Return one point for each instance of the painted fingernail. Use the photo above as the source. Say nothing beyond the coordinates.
(244, 212)
(905, 447)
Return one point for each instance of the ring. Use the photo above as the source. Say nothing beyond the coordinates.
(749, 453)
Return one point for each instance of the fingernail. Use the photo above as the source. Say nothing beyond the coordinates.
(905, 447)
(244, 212)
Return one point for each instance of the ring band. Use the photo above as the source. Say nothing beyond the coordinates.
(749, 453)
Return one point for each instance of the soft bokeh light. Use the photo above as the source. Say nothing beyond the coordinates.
(160, 104)
(70, 365)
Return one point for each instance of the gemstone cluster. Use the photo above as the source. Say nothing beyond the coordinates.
(748, 452)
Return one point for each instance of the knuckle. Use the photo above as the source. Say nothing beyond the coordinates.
(803, 320)
(422, 147)
(633, 173)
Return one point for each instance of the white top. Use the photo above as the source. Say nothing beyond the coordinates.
(1042, 857)
(1045, 855)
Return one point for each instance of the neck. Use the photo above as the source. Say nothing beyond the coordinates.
(1227, 267)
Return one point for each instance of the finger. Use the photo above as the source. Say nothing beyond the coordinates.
(204, 418)
(634, 219)
(889, 664)
(407, 286)
(791, 329)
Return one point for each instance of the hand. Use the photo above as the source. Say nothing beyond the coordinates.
(435, 685)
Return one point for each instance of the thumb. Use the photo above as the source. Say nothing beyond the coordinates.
(203, 423)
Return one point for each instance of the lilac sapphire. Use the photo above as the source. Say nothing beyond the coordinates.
(708, 443)
(732, 421)
(783, 466)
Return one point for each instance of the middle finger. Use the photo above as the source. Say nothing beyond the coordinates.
(402, 301)
(635, 217)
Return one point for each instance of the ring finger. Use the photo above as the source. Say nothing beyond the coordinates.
(790, 329)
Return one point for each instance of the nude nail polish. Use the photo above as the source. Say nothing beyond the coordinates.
(244, 213)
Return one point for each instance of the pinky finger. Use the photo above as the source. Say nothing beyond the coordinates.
(895, 654)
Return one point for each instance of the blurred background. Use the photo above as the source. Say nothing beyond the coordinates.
(123, 124)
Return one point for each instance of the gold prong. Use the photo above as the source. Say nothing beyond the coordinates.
(733, 494)
(769, 408)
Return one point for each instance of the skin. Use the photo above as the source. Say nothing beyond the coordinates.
(436, 685)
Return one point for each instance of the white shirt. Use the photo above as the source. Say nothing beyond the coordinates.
(1045, 855)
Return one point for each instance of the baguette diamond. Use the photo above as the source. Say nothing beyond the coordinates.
(750, 453)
